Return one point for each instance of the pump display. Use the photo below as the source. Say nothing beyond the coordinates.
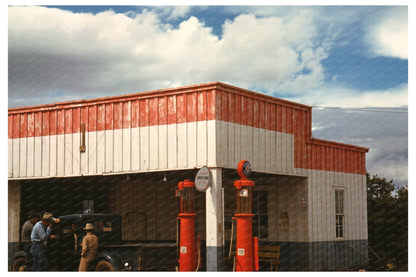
(188, 244)
(246, 246)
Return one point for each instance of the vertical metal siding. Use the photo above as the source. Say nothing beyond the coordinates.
(262, 133)
(121, 136)
(321, 205)
(172, 130)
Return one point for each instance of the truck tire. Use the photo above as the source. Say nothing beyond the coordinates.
(104, 266)
(19, 264)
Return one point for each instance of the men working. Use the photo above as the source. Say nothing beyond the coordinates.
(89, 248)
(40, 234)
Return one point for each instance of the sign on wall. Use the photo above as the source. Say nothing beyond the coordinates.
(203, 179)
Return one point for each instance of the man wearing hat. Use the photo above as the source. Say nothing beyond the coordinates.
(39, 236)
(27, 228)
(89, 248)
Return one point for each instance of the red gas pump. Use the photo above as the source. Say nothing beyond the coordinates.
(245, 250)
(188, 254)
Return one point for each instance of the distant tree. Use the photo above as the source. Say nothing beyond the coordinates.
(387, 208)
(402, 225)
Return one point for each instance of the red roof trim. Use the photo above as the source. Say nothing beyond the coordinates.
(158, 93)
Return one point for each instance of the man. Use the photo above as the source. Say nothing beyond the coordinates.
(89, 248)
(54, 246)
(70, 248)
(75, 248)
(39, 236)
(27, 228)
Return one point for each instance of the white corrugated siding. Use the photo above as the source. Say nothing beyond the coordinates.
(163, 147)
(267, 150)
(321, 204)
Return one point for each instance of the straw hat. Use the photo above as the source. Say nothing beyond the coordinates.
(47, 217)
(88, 227)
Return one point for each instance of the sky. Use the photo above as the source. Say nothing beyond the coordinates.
(349, 62)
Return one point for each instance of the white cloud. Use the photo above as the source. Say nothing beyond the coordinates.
(86, 55)
(327, 96)
(387, 35)
(179, 12)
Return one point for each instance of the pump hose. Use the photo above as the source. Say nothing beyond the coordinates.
(177, 238)
(231, 240)
(199, 253)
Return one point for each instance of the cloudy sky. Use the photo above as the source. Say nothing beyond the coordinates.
(349, 62)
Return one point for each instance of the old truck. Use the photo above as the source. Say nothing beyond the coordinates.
(114, 254)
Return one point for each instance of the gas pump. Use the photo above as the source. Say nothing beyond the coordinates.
(246, 245)
(188, 253)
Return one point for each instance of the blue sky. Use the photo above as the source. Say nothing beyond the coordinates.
(347, 57)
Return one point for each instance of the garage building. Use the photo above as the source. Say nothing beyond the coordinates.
(126, 154)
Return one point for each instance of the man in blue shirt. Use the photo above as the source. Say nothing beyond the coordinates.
(40, 234)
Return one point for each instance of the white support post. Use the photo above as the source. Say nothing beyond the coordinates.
(214, 222)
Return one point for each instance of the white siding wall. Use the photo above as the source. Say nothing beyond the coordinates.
(174, 146)
(321, 203)
(268, 151)
(185, 145)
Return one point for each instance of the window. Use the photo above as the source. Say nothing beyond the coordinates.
(260, 219)
(339, 213)
(88, 206)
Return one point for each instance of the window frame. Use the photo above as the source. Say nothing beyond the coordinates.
(339, 214)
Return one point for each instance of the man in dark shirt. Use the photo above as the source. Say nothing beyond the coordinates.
(27, 227)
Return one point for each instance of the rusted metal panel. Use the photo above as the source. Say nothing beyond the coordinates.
(152, 112)
(134, 113)
(181, 108)
(191, 107)
(201, 112)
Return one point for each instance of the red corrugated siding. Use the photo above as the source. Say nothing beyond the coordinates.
(171, 109)
(211, 111)
(134, 113)
(333, 158)
(162, 110)
(197, 103)
(118, 115)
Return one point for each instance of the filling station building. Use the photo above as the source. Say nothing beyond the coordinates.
(126, 154)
